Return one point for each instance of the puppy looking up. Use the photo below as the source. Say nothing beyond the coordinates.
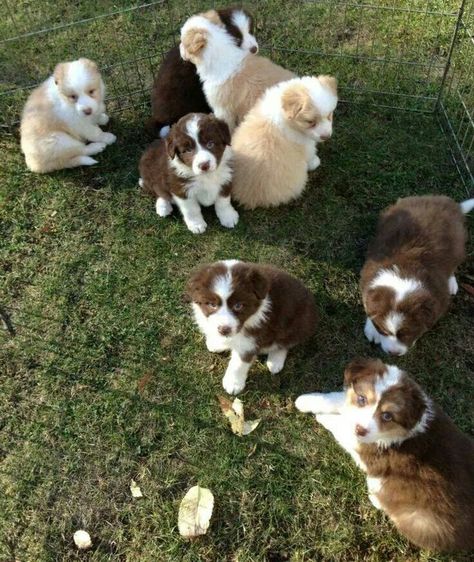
(250, 309)
(419, 466)
(408, 276)
(177, 89)
(233, 79)
(291, 118)
(191, 167)
(62, 115)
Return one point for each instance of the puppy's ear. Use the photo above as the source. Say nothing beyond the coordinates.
(193, 43)
(293, 100)
(329, 82)
(423, 307)
(58, 73)
(224, 131)
(196, 281)
(378, 301)
(170, 145)
(259, 283)
(361, 367)
(90, 65)
(213, 17)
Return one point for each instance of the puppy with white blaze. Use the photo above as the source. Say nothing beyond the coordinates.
(233, 79)
(419, 465)
(409, 274)
(250, 309)
(61, 118)
(275, 145)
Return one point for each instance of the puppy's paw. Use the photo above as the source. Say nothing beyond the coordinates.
(108, 138)
(276, 360)
(229, 218)
(453, 285)
(233, 384)
(94, 148)
(310, 403)
(314, 163)
(215, 347)
(103, 119)
(197, 226)
(371, 332)
(162, 206)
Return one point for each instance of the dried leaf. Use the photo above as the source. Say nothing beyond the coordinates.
(135, 489)
(468, 288)
(234, 412)
(82, 539)
(195, 512)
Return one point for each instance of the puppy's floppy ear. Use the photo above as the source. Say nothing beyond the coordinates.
(170, 145)
(423, 307)
(213, 17)
(378, 301)
(360, 367)
(293, 100)
(59, 71)
(196, 281)
(90, 64)
(193, 43)
(259, 283)
(329, 82)
(223, 129)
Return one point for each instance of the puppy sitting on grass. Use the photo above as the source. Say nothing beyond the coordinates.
(62, 115)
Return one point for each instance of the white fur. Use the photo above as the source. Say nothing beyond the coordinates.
(452, 285)
(467, 206)
(241, 20)
(163, 207)
(276, 360)
(402, 286)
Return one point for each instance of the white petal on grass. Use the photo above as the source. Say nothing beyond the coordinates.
(82, 539)
(135, 489)
(234, 412)
(195, 512)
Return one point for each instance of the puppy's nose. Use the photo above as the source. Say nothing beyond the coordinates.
(87, 110)
(324, 137)
(204, 166)
(253, 49)
(224, 330)
(361, 431)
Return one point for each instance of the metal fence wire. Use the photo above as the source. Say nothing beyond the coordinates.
(411, 55)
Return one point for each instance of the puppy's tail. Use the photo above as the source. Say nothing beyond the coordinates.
(467, 205)
(154, 128)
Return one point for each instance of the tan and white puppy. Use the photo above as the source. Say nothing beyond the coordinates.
(233, 79)
(419, 465)
(408, 276)
(275, 145)
(62, 115)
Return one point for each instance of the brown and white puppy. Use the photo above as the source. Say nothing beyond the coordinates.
(191, 167)
(291, 118)
(419, 465)
(62, 115)
(177, 89)
(408, 275)
(250, 309)
(233, 79)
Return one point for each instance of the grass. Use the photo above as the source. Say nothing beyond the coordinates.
(107, 378)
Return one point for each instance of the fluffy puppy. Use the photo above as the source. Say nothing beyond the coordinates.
(233, 80)
(177, 89)
(62, 115)
(419, 466)
(191, 167)
(250, 309)
(275, 145)
(408, 275)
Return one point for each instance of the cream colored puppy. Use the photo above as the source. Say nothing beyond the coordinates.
(62, 115)
(275, 145)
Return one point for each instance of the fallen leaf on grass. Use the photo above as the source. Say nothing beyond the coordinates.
(468, 288)
(234, 412)
(82, 539)
(195, 512)
(135, 489)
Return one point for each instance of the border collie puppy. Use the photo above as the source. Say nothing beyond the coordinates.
(233, 80)
(250, 309)
(190, 168)
(419, 465)
(291, 118)
(62, 115)
(408, 275)
(177, 89)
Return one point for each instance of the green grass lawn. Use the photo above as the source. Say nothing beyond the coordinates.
(107, 378)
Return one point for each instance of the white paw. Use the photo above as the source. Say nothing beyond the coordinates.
(453, 285)
(371, 332)
(229, 218)
(103, 119)
(375, 502)
(108, 138)
(95, 148)
(164, 131)
(85, 161)
(310, 403)
(197, 227)
(233, 384)
(162, 206)
(141, 183)
(215, 347)
(314, 163)
(276, 360)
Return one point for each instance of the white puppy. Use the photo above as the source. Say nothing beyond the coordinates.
(62, 115)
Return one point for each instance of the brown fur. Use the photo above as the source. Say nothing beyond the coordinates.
(425, 238)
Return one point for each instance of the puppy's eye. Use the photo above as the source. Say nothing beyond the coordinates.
(311, 124)
(91, 92)
(211, 305)
(187, 149)
(387, 416)
(73, 97)
(210, 144)
(238, 306)
(361, 400)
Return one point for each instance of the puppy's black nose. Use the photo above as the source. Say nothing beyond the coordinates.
(361, 431)
(253, 50)
(224, 330)
(87, 110)
(204, 166)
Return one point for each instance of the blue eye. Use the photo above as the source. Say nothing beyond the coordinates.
(387, 416)
(361, 400)
(238, 306)
(210, 144)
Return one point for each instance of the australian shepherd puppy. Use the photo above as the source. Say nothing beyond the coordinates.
(275, 145)
(419, 466)
(250, 309)
(408, 276)
(233, 79)
(190, 168)
(177, 89)
(61, 118)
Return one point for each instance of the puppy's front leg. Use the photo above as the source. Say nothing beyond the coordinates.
(338, 426)
(321, 403)
(191, 211)
(226, 214)
(236, 373)
(93, 133)
(103, 117)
